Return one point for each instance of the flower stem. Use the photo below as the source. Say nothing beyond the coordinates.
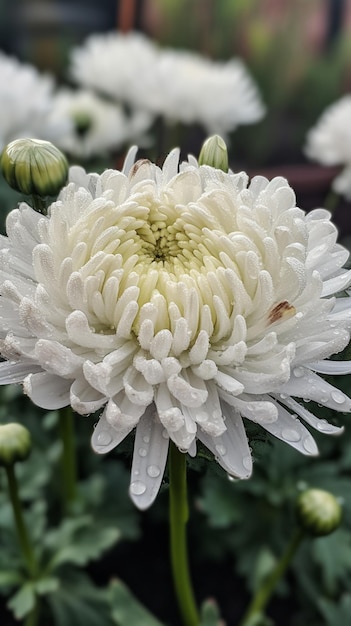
(179, 554)
(33, 617)
(68, 458)
(264, 593)
(22, 533)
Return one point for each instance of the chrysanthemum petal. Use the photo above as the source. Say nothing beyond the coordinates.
(149, 459)
(47, 390)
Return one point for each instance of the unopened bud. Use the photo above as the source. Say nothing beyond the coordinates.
(214, 152)
(15, 444)
(319, 512)
(34, 167)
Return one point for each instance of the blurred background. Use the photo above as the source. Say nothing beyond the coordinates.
(298, 52)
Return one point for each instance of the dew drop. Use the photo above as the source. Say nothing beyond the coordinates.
(247, 462)
(324, 427)
(146, 439)
(104, 438)
(308, 444)
(324, 399)
(221, 449)
(289, 434)
(142, 452)
(298, 372)
(338, 397)
(153, 471)
(137, 488)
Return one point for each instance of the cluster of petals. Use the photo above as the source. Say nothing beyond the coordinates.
(177, 85)
(108, 126)
(26, 99)
(329, 142)
(178, 301)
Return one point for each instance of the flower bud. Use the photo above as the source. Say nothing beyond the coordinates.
(34, 167)
(15, 444)
(214, 152)
(319, 512)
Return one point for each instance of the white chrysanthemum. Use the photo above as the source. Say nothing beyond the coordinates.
(25, 103)
(97, 126)
(120, 65)
(329, 142)
(177, 85)
(218, 95)
(179, 303)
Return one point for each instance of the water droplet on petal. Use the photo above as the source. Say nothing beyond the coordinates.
(146, 439)
(137, 488)
(104, 438)
(308, 444)
(247, 462)
(298, 372)
(142, 452)
(221, 449)
(153, 471)
(338, 397)
(289, 434)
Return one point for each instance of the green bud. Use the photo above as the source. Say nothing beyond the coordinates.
(34, 167)
(15, 444)
(319, 512)
(214, 152)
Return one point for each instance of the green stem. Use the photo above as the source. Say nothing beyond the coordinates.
(264, 593)
(33, 617)
(68, 458)
(39, 204)
(22, 533)
(179, 554)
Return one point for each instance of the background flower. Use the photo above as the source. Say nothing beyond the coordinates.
(180, 302)
(97, 126)
(177, 85)
(26, 98)
(329, 142)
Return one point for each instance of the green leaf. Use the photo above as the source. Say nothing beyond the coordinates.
(126, 609)
(23, 601)
(9, 578)
(210, 615)
(336, 614)
(77, 602)
(333, 555)
(79, 541)
(46, 585)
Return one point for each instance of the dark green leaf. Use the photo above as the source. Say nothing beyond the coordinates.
(127, 610)
(23, 601)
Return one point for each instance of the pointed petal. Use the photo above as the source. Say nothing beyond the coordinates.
(105, 437)
(231, 449)
(149, 459)
(291, 431)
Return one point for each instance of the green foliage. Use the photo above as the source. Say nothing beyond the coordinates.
(126, 609)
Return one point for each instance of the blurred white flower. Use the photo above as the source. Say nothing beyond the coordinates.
(177, 85)
(120, 65)
(181, 302)
(25, 103)
(329, 142)
(217, 95)
(97, 126)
